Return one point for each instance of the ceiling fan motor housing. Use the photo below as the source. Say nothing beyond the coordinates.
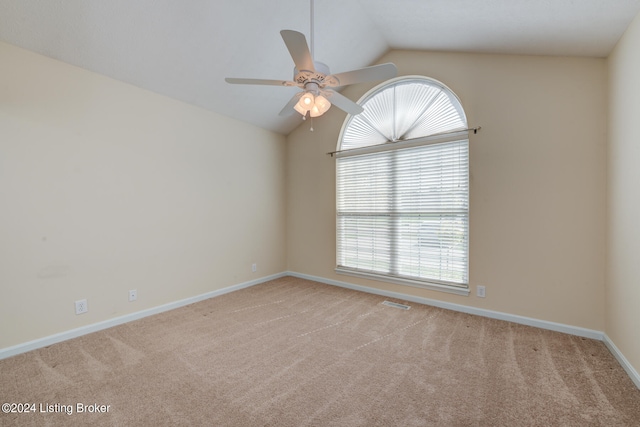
(320, 76)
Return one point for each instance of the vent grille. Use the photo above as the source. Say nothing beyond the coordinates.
(396, 305)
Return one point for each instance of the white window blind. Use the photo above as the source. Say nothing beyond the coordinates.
(402, 212)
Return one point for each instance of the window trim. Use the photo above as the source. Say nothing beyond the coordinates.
(407, 143)
(448, 136)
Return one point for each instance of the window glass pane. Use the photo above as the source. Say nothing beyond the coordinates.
(365, 242)
(364, 184)
(433, 247)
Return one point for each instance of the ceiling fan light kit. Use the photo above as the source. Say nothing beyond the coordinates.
(315, 80)
(312, 102)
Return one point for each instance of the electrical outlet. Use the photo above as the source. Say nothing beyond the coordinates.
(254, 267)
(480, 291)
(81, 306)
(133, 294)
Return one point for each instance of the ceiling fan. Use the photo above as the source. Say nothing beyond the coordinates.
(315, 80)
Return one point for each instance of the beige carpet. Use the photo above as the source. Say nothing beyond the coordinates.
(297, 353)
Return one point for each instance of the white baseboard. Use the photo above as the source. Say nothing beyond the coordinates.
(573, 330)
(73, 333)
(543, 324)
(633, 374)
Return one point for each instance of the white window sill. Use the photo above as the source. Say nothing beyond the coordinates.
(457, 290)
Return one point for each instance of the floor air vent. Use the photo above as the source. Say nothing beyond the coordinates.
(396, 305)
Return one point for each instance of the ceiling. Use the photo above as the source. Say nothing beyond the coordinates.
(185, 49)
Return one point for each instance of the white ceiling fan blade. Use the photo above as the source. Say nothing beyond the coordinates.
(367, 74)
(236, 81)
(288, 109)
(299, 50)
(342, 102)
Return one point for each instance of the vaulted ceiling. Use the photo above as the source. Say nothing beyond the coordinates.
(185, 49)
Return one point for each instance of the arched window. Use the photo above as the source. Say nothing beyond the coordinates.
(403, 187)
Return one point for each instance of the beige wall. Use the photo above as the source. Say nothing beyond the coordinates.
(538, 177)
(106, 188)
(623, 261)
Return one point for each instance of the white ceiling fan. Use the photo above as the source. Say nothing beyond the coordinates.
(315, 80)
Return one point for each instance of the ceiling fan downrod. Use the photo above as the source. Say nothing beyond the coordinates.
(311, 33)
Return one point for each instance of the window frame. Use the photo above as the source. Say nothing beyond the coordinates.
(457, 134)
